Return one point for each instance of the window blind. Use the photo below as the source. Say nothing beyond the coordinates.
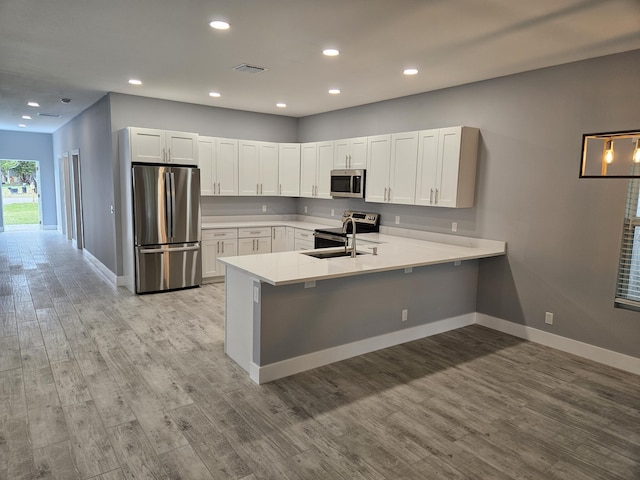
(628, 285)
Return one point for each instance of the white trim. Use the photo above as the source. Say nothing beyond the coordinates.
(121, 281)
(108, 274)
(302, 363)
(590, 352)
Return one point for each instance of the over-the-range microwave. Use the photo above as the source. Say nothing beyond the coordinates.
(347, 183)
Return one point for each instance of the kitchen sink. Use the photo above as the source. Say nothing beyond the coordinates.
(332, 254)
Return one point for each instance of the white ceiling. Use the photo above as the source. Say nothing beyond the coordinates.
(81, 49)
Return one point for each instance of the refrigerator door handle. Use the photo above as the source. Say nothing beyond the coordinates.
(167, 205)
(169, 250)
(173, 204)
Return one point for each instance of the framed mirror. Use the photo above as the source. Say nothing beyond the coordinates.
(611, 155)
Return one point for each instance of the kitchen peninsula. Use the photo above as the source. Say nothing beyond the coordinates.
(289, 312)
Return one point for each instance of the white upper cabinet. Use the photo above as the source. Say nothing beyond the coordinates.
(378, 167)
(218, 159)
(402, 173)
(161, 146)
(316, 163)
(258, 168)
(447, 172)
(350, 153)
(391, 171)
(289, 169)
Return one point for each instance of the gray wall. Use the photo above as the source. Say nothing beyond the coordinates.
(563, 233)
(214, 206)
(34, 146)
(90, 133)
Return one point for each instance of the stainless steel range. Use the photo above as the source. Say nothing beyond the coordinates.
(337, 237)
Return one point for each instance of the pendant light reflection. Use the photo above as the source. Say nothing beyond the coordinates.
(636, 151)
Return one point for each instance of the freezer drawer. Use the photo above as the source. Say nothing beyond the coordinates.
(167, 267)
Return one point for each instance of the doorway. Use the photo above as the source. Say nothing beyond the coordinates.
(21, 206)
(71, 197)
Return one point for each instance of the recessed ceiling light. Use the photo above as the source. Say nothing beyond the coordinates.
(331, 52)
(26, 117)
(22, 125)
(334, 91)
(410, 71)
(135, 81)
(214, 94)
(65, 100)
(33, 104)
(281, 105)
(219, 25)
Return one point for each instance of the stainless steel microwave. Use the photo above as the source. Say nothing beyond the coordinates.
(347, 183)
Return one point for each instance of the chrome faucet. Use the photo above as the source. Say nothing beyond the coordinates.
(344, 230)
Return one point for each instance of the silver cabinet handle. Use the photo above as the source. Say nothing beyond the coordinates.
(260, 189)
(280, 189)
(431, 196)
(257, 189)
(273, 230)
(222, 247)
(385, 194)
(389, 194)
(217, 247)
(169, 156)
(349, 161)
(254, 232)
(164, 155)
(214, 188)
(218, 188)
(437, 192)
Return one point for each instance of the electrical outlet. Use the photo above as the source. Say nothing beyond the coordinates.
(256, 295)
(397, 219)
(333, 212)
(306, 210)
(548, 318)
(264, 208)
(310, 284)
(408, 269)
(405, 315)
(457, 263)
(454, 226)
(111, 209)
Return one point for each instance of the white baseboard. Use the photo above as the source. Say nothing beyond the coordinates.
(49, 227)
(291, 366)
(108, 274)
(590, 352)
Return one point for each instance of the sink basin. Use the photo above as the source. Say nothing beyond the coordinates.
(333, 254)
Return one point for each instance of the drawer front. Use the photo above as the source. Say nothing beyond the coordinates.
(304, 235)
(256, 232)
(219, 234)
(303, 244)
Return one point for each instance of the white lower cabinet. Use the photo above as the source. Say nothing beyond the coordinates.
(279, 240)
(216, 244)
(252, 241)
(303, 239)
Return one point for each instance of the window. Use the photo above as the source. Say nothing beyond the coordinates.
(628, 287)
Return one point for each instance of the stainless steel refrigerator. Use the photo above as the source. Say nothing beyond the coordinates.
(166, 217)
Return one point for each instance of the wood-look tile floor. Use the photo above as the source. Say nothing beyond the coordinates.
(98, 383)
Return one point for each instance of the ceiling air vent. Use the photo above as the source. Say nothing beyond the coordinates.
(52, 115)
(249, 68)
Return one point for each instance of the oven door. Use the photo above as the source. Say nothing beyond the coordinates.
(327, 240)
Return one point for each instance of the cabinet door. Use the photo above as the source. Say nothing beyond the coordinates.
(358, 153)
(291, 236)
(323, 169)
(182, 148)
(246, 246)
(263, 245)
(228, 248)
(210, 258)
(427, 166)
(308, 157)
(147, 145)
(279, 239)
(249, 168)
(226, 166)
(341, 153)
(206, 158)
(378, 167)
(404, 160)
(269, 185)
(289, 169)
(448, 166)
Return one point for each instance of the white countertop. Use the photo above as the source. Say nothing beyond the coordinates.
(269, 223)
(394, 253)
